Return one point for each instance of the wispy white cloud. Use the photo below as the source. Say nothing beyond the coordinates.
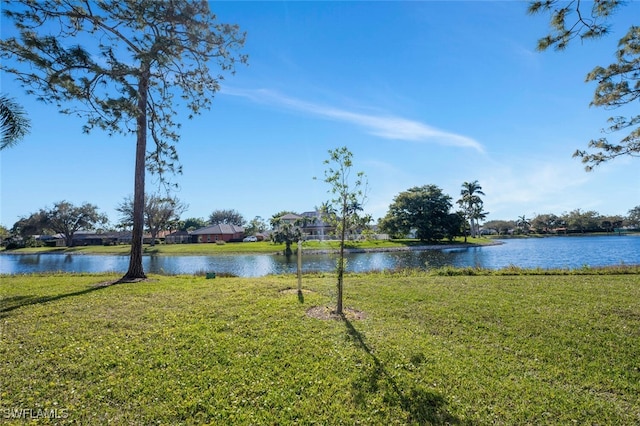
(534, 187)
(384, 126)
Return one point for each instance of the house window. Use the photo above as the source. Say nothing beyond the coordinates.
(208, 238)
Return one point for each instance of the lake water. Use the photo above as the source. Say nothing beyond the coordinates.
(552, 252)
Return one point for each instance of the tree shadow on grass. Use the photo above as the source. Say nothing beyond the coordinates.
(423, 407)
(8, 304)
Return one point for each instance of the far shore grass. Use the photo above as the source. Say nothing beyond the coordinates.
(241, 247)
(430, 348)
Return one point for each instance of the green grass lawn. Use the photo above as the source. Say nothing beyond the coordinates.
(468, 350)
(230, 248)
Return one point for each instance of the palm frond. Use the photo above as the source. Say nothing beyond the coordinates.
(14, 124)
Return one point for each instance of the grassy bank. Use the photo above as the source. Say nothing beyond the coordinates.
(234, 248)
(520, 349)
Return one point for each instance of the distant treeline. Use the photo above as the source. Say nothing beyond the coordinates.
(575, 221)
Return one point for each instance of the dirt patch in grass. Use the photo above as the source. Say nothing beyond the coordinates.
(326, 313)
(120, 281)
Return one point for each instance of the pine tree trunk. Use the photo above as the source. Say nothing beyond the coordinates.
(136, 270)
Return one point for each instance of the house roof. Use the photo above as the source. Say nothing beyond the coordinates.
(219, 229)
(290, 216)
(178, 234)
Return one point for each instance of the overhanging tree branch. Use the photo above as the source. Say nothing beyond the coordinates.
(617, 84)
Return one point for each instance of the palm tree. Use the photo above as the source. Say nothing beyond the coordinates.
(471, 204)
(287, 232)
(478, 214)
(523, 223)
(13, 122)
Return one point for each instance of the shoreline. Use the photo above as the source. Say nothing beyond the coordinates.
(70, 250)
(407, 248)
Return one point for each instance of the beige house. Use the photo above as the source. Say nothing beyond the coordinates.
(220, 232)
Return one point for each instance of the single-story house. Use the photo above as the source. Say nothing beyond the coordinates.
(87, 238)
(91, 238)
(50, 240)
(119, 237)
(220, 232)
(146, 238)
(178, 237)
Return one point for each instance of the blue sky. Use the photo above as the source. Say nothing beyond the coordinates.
(420, 92)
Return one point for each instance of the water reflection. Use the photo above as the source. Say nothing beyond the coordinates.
(559, 252)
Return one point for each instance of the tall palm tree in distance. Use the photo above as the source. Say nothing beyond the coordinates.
(471, 204)
(523, 223)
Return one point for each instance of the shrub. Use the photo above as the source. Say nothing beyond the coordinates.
(12, 245)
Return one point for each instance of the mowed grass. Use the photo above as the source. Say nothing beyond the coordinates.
(521, 349)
